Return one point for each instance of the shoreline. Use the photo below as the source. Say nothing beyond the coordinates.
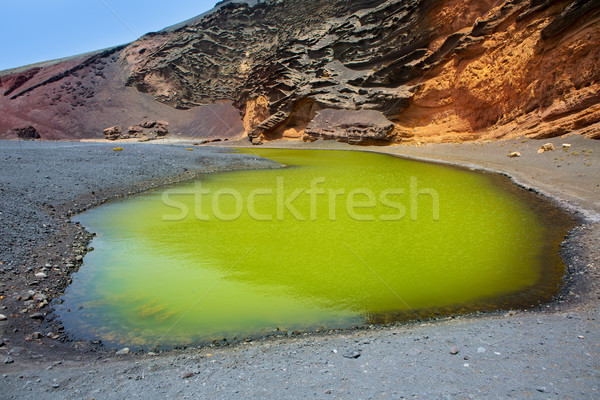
(574, 246)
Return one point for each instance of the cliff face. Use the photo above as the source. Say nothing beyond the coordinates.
(446, 70)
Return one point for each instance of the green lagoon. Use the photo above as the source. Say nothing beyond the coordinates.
(336, 239)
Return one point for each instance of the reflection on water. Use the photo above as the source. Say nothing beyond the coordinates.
(261, 250)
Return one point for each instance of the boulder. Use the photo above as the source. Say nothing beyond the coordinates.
(161, 130)
(353, 127)
(546, 147)
(112, 133)
(135, 129)
(28, 133)
(148, 124)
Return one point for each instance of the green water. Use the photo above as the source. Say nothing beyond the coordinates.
(242, 254)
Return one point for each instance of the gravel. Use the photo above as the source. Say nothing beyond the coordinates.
(39, 175)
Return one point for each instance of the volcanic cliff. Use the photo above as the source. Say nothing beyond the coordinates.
(368, 72)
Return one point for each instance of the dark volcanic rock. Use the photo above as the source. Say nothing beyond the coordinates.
(112, 133)
(354, 127)
(28, 133)
(145, 131)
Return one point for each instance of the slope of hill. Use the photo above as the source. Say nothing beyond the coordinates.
(370, 71)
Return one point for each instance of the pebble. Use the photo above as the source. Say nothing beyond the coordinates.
(3, 317)
(414, 352)
(481, 350)
(454, 350)
(37, 315)
(9, 360)
(40, 297)
(79, 258)
(55, 385)
(25, 297)
(352, 354)
(124, 351)
(541, 389)
(41, 275)
(187, 375)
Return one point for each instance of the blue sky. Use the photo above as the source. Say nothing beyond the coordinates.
(40, 30)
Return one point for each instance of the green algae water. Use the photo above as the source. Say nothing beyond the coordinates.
(335, 239)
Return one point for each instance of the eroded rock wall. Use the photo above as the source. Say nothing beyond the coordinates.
(437, 70)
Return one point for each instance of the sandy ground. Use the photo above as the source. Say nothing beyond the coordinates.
(551, 352)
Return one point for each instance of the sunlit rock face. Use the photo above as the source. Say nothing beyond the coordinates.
(447, 70)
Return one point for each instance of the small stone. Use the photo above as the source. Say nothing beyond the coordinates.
(514, 154)
(37, 315)
(352, 354)
(414, 352)
(566, 146)
(55, 385)
(78, 258)
(41, 275)
(124, 351)
(40, 297)
(3, 317)
(541, 389)
(327, 391)
(25, 296)
(481, 350)
(454, 350)
(547, 147)
(187, 375)
(9, 360)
